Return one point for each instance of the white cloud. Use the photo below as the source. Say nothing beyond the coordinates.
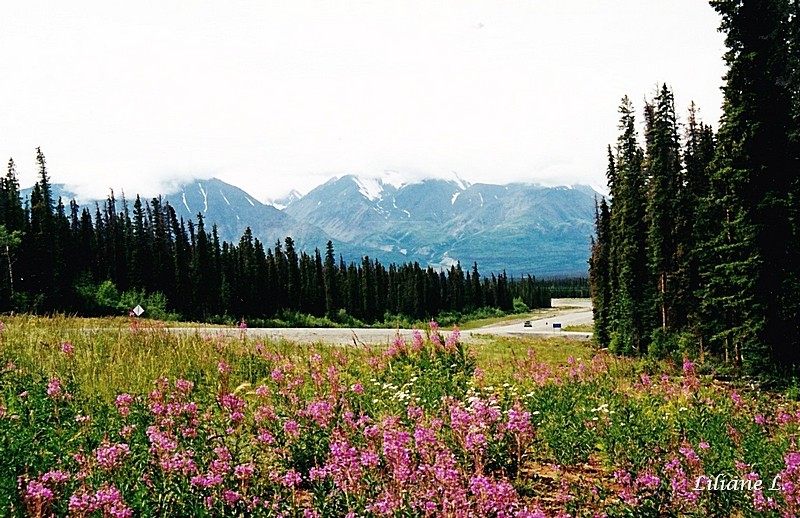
(272, 95)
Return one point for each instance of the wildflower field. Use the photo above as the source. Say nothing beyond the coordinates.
(124, 418)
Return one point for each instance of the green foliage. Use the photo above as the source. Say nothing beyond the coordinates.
(599, 420)
(697, 255)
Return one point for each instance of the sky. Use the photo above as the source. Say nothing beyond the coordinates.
(273, 95)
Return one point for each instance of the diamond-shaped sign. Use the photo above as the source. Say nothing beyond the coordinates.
(138, 310)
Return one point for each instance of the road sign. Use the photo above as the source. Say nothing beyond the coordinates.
(556, 325)
(138, 310)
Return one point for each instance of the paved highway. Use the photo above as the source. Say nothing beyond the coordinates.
(565, 311)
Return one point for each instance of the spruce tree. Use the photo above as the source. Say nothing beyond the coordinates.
(628, 229)
(664, 171)
(756, 169)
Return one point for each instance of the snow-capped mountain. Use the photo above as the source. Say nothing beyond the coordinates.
(284, 201)
(517, 227)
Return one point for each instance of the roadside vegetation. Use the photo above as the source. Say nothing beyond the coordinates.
(128, 419)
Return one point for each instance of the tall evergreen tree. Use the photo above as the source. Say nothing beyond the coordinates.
(600, 274)
(331, 282)
(628, 228)
(756, 169)
(664, 170)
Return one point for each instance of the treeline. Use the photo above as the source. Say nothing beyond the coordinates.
(568, 287)
(698, 251)
(64, 258)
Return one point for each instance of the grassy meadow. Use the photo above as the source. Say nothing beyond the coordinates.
(121, 417)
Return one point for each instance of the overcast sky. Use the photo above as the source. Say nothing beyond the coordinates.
(271, 95)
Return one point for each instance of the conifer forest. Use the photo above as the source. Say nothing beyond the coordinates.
(696, 250)
(66, 259)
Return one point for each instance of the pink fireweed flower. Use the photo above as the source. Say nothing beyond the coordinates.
(54, 389)
(358, 388)
(184, 387)
(292, 479)
(453, 339)
(263, 391)
(519, 421)
(264, 437)
(81, 504)
(321, 412)
(55, 477)
(223, 367)
(161, 442)
(737, 399)
(648, 481)
(243, 324)
(67, 348)
(264, 413)
(690, 455)
(414, 412)
(277, 375)
(435, 333)
(291, 428)
(231, 497)
(111, 503)
(344, 466)
(244, 471)
(127, 430)
(206, 481)
(234, 405)
(369, 459)
(182, 463)
(38, 494)
(123, 403)
(111, 456)
(475, 441)
(417, 341)
(493, 496)
(792, 461)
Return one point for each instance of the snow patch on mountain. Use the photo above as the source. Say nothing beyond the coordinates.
(250, 201)
(205, 197)
(370, 188)
(183, 195)
(285, 201)
(454, 198)
(462, 184)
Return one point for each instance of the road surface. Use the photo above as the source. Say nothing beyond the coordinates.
(565, 311)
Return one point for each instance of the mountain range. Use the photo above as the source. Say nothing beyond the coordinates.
(520, 228)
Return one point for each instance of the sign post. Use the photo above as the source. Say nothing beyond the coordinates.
(138, 310)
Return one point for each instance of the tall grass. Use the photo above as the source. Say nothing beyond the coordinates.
(122, 418)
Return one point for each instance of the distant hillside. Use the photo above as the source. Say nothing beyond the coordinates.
(521, 228)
